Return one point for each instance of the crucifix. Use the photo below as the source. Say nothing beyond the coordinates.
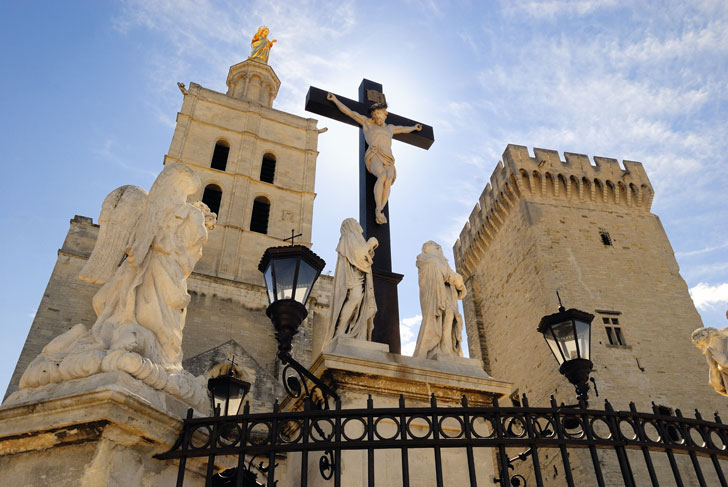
(373, 190)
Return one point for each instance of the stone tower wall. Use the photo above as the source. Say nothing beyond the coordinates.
(536, 229)
(251, 130)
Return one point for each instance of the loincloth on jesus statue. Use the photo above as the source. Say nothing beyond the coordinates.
(386, 159)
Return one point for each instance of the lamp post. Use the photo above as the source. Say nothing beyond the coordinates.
(290, 272)
(568, 335)
(227, 393)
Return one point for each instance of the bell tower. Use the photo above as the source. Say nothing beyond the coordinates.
(257, 165)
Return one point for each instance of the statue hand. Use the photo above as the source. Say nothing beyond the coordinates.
(330, 96)
(418, 127)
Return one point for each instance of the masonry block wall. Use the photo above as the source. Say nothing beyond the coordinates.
(544, 224)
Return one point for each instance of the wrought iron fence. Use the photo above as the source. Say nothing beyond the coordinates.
(252, 437)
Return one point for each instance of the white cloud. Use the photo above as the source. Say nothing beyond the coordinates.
(408, 329)
(553, 8)
(109, 152)
(711, 38)
(408, 348)
(706, 250)
(707, 296)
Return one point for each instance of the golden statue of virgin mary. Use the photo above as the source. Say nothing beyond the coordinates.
(260, 45)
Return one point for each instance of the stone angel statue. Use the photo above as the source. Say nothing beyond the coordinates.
(260, 45)
(714, 345)
(440, 288)
(354, 307)
(148, 245)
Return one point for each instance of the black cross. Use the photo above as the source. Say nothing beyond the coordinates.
(386, 321)
(231, 359)
(292, 237)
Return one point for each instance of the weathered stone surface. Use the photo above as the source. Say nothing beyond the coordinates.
(353, 303)
(357, 370)
(147, 247)
(366, 369)
(102, 430)
(441, 328)
(537, 229)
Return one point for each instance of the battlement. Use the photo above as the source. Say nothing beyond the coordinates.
(546, 177)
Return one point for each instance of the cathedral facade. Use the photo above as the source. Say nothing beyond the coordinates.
(257, 166)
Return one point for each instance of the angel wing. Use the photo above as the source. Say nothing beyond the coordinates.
(119, 215)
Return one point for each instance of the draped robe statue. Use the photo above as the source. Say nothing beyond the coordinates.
(147, 247)
(714, 345)
(353, 308)
(440, 288)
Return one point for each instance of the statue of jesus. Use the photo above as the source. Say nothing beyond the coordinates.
(378, 158)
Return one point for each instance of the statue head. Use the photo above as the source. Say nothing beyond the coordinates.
(431, 247)
(378, 113)
(176, 181)
(702, 336)
(351, 225)
(262, 32)
(210, 217)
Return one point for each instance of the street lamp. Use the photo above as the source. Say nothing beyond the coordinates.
(568, 334)
(289, 273)
(227, 393)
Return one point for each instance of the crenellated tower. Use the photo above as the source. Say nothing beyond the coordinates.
(544, 224)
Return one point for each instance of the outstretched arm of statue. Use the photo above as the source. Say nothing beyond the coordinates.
(399, 129)
(361, 119)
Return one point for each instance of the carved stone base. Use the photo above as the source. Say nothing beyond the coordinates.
(357, 370)
(342, 343)
(102, 430)
(77, 354)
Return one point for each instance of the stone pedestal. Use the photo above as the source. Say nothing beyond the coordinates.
(357, 370)
(102, 430)
(253, 81)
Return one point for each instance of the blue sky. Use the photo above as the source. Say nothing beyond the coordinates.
(89, 100)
